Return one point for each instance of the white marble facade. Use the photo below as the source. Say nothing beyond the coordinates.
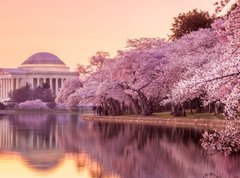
(39, 68)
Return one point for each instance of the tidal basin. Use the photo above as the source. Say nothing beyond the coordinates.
(61, 145)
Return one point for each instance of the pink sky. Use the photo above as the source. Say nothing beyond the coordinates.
(75, 29)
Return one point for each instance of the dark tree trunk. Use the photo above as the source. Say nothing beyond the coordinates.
(190, 107)
(123, 108)
(217, 107)
(105, 110)
(144, 104)
(134, 106)
(211, 107)
(199, 108)
(183, 110)
(172, 109)
(179, 110)
(99, 110)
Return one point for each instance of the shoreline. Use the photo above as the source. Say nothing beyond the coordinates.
(157, 121)
(196, 123)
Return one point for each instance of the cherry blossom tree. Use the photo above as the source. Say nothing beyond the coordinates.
(68, 88)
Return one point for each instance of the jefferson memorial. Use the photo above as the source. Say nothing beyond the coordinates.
(42, 67)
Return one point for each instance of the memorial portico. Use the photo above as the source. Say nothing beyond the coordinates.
(39, 68)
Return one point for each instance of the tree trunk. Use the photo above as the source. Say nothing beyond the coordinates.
(105, 108)
(183, 110)
(190, 107)
(144, 104)
(172, 109)
(199, 106)
(123, 108)
(179, 110)
(134, 106)
(216, 107)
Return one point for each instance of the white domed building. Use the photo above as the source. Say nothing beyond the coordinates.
(42, 67)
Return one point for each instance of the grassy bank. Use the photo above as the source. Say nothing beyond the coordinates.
(194, 115)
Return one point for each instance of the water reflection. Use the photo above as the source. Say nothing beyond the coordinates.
(53, 143)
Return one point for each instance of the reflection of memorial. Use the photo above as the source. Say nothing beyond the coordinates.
(38, 141)
(44, 140)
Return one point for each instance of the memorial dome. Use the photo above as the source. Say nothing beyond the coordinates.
(44, 62)
(43, 58)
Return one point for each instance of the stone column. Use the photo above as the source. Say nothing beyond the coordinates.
(50, 83)
(57, 88)
(1, 88)
(9, 85)
(1, 93)
(8, 89)
(12, 84)
(38, 82)
(5, 88)
(8, 82)
(17, 83)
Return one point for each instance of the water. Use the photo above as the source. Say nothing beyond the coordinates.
(64, 146)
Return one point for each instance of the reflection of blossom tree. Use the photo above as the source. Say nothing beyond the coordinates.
(146, 151)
